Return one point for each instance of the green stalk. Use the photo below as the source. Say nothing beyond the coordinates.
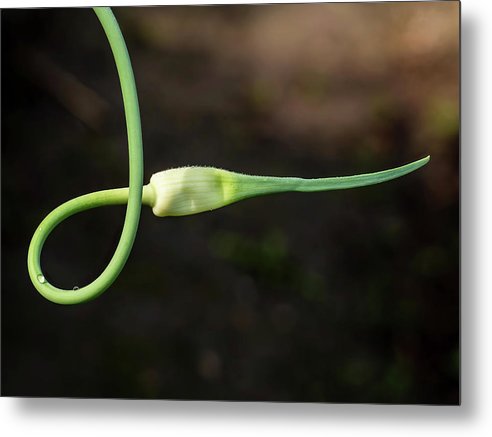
(133, 195)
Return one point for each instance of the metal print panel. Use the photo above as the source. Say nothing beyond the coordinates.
(249, 203)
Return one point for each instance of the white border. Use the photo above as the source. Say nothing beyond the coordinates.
(58, 417)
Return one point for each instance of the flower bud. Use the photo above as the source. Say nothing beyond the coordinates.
(190, 190)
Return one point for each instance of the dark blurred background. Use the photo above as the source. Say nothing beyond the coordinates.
(348, 296)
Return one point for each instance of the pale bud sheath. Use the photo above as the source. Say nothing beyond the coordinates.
(191, 190)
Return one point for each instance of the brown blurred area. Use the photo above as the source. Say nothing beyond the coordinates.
(349, 296)
(324, 77)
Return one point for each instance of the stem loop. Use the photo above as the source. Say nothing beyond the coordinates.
(131, 196)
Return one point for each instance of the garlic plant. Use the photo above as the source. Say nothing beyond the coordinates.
(175, 192)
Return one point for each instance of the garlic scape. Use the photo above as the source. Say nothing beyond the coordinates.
(191, 190)
(175, 192)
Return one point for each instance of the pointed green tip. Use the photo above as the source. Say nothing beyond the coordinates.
(419, 163)
(412, 166)
(422, 162)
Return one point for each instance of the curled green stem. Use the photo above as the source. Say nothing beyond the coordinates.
(131, 196)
